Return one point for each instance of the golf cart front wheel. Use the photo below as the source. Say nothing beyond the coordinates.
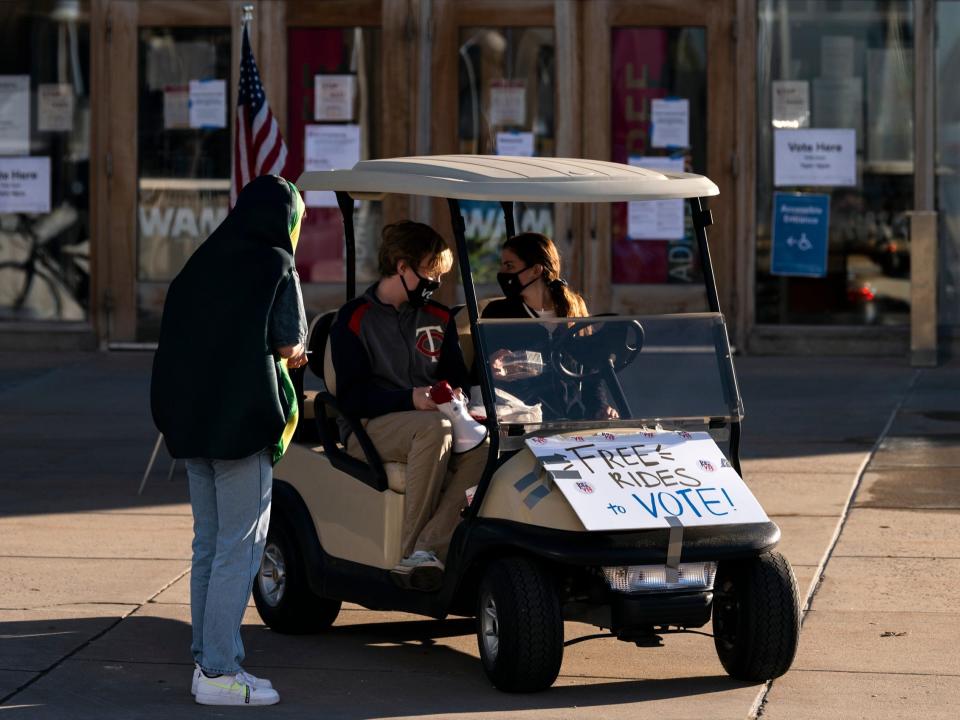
(281, 591)
(519, 626)
(756, 617)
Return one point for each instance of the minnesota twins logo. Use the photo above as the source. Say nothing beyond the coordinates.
(685, 435)
(540, 440)
(608, 436)
(585, 487)
(707, 465)
(430, 340)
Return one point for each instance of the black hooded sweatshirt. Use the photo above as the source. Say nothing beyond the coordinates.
(218, 388)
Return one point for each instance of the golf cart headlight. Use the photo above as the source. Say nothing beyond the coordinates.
(646, 578)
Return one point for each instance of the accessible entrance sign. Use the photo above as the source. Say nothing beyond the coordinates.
(800, 234)
(651, 479)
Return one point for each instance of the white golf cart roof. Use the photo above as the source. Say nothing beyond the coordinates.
(499, 177)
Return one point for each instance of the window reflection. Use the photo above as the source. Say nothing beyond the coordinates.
(44, 161)
(184, 156)
(844, 65)
(506, 107)
(333, 120)
(948, 160)
(657, 72)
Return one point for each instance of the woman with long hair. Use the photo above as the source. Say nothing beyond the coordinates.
(533, 286)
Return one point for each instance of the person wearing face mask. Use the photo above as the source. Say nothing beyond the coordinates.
(237, 299)
(533, 287)
(389, 347)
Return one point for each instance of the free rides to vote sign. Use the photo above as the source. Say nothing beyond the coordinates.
(650, 479)
(801, 225)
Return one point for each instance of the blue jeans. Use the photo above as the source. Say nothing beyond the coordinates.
(231, 512)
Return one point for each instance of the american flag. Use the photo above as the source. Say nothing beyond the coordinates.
(258, 148)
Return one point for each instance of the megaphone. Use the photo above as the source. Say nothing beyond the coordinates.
(467, 432)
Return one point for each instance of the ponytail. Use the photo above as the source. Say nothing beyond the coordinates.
(566, 302)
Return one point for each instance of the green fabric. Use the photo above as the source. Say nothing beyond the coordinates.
(218, 390)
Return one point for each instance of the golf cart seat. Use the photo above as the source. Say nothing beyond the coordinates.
(325, 411)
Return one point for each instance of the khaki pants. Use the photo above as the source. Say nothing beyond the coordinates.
(437, 480)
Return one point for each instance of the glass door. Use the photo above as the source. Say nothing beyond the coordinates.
(506, 68)
(44, 161)
(659, 93)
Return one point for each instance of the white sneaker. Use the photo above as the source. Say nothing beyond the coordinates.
(243, 676)
(421, 558)
(232, 690)
(420, 571)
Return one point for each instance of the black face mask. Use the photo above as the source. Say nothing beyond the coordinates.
(510, 283)
(419, 295)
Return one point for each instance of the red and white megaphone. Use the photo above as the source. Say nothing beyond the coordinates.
(467, 432)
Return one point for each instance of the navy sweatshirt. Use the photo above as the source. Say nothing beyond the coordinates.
(380, 354)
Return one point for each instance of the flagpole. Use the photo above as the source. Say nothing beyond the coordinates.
(247, 15)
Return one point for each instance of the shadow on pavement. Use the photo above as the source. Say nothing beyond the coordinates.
(140, 668)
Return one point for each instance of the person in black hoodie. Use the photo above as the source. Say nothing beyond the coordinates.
(236, 299)
(531, 280)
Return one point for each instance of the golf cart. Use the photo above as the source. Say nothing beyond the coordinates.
(639, 525)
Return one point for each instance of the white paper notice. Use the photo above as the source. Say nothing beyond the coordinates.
(333, 97)
(330, 147)
(837, 55)
(670, 123)
(508, 102)
(646, 480)
(517, 144)
(176, 107)
(208, 103)
(24, 185)
(791, 104)
(14, 114)
(55, 108)
(656, 219)
(815, 158)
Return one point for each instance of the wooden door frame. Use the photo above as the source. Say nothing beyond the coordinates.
(719, 19)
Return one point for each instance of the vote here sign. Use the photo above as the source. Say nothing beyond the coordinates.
(644, 480)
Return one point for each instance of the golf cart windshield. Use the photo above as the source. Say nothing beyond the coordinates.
(551, 373)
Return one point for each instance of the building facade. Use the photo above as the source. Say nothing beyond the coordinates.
(829, 126)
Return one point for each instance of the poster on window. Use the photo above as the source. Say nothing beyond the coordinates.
(670, 123)
(55, 107)
(333, 97)
(515, 144)
(815, 157)
(508, 103)
(656, 219)
(176, 107)
(329, 147)
(25, 185)
(791, 104)
(14, 114)
(208, 104)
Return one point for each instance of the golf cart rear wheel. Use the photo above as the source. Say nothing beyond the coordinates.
(519, 626)
(281, 591)
(756, 617)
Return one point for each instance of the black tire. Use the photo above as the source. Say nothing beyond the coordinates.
(526, 629)
(281, 591)
(756, 617)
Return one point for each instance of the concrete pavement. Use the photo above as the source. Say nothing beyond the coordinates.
(94, 598)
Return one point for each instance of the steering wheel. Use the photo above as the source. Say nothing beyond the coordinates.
(597, 346)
